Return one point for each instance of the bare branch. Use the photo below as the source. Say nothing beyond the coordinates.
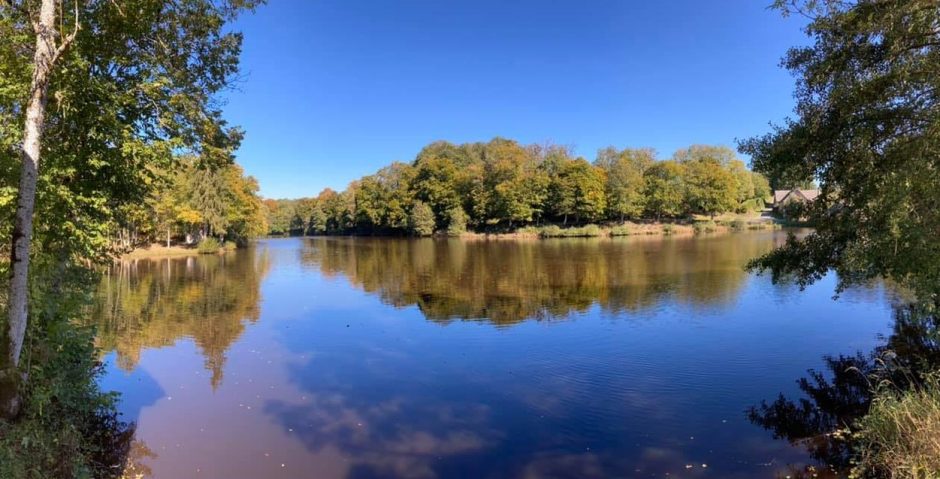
(68, 39)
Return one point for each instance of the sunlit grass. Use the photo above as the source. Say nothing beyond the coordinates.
(900, 435)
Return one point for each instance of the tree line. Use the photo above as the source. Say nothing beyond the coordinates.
(193, 201)
(501, 185)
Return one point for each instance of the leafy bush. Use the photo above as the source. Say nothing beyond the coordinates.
(230, 246)
(67, 426)
(705, 227)
(421, 220)
(458, 222)
(738, 224)
(554, 231)
(751, 205)
(208, 245)
(621, 230)
(900, 435)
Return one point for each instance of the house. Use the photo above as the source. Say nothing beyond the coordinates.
(785, 197)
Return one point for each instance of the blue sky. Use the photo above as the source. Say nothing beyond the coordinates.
(332, 90)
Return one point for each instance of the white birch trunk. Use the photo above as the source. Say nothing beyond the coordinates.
(15, 330)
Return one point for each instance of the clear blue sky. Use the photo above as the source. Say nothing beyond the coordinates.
(333, 90)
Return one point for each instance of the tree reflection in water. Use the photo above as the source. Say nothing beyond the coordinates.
(835, 398)
(390, 398)
(153, 303)
(507, 282)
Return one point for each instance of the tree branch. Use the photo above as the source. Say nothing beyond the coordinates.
(69, 38)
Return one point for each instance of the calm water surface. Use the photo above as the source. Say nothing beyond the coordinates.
(374, 358)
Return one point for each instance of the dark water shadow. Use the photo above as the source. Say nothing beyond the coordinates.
(834, 398)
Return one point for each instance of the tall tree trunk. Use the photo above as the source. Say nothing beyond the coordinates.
(13, 333)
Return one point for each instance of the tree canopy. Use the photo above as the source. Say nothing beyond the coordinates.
(867, 128)
(502, 184)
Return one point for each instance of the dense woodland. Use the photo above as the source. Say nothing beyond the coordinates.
(192, 202)
(501, 185)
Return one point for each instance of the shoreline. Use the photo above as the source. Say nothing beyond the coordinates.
(738, 223)
(627, 229)
(529, 233)
(161, 251)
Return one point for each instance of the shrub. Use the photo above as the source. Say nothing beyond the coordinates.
(591, 231)
(705, 227)
(68, 427)
(669, 229)
(458, 222)
(230, 246)
(554, 231)
(551, 231)
(751, 205)
(621, 230)
(421, 219)
(208, 245)
(900, 435)
(738, 224)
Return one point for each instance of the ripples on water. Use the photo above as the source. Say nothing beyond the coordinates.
(362, 358)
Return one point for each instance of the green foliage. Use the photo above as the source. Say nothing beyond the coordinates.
(209, 245)
(197, 198)
(436, 183)
(710, 186)
(122, 109)
(900, 435)
(501, 185)
(751, 205)
(68, 427)
(554, 231)
(514, 186)
(421, 220)
(868, 103)
(458, 222)
(664, 189)
(626, 197)
(621, 230)
(131, 103)
(704, 227)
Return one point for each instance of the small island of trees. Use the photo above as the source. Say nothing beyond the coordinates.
(502, 185)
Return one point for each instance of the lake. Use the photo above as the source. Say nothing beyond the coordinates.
(400, 358)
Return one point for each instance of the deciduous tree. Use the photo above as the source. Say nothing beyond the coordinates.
(93, 94)
(866, 127)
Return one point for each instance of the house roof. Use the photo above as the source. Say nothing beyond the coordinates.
(810, 194)
(781, 195)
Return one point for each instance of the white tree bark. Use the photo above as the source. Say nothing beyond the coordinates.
(43, 60)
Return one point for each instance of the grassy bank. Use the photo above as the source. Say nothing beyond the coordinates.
(208, 246)
(900, 435)
(720, 225)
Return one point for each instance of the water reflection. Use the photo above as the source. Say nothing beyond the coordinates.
(506, 282)
(832, 399)
(336, 364)
(147, 303)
